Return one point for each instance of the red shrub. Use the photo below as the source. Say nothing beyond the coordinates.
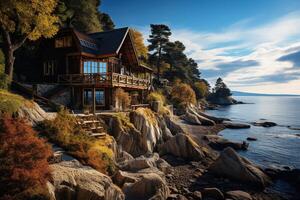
(23, 158)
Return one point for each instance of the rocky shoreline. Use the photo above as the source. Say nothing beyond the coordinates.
(163, 156)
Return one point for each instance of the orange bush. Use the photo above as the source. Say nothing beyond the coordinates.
(182, 94)
(123, 99)
(24, 168)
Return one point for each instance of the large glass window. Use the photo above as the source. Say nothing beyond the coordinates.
(92, 67)
(87, 97)
(99, 97)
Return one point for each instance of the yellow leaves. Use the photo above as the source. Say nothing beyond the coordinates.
(138, 39)
(34, 18)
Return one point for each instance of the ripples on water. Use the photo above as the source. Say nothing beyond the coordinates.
(276, 145)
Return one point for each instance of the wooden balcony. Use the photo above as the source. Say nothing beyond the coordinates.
(104, 80)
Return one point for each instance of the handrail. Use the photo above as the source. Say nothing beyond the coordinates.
(103, 78)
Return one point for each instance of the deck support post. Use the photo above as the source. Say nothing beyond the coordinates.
(94, 101)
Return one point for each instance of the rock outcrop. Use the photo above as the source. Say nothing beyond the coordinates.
(231, 165)
(238, 195)
(71, 180)
(235, 125)
(264, 123)
(191, 111)
(183, 146)
(34, 113)
(219, 143)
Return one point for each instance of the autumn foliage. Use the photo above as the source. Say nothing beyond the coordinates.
(23, 156)
(182, 94)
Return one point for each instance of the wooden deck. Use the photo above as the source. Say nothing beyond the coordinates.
(104, 80)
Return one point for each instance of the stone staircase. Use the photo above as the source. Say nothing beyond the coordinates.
(91, 125)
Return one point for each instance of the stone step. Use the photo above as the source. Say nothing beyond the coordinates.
(88, 122)
(97, 134)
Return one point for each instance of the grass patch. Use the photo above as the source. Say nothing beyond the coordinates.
(10, 103)
(65, 132)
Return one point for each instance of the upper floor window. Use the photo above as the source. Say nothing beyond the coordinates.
(49, 67)
(93, 67)
(63, 42)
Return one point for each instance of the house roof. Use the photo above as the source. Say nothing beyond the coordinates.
(105, 43)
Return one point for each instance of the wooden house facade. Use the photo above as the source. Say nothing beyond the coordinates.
(83, 71)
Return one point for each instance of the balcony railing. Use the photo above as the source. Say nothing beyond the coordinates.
(105, 79)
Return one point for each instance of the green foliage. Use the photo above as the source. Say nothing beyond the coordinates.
(84, 15)
(159, 38)
(220, 89)
(65, 131)
(10, 103)
(106, 22)
(183, 95)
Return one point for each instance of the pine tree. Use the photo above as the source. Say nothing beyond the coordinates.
(159, 38)
(221, 89)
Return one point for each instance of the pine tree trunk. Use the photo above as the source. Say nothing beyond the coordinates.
(158, 64)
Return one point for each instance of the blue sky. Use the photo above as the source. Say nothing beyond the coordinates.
(254, 45)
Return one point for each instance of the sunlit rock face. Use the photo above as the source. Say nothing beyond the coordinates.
(71, 180)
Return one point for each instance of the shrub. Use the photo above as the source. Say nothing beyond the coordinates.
(201, 89)
(182, 95)
(24, 168)
(123, 99)
(4, 81)
(64, 131)
(10, 103)
(156, 96)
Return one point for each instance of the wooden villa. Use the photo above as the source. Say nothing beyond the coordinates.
(82, 71)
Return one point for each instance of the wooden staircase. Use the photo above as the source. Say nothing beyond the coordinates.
(91, 125)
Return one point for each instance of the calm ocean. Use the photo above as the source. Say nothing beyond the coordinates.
(276, 145)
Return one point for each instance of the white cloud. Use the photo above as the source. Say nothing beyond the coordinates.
(264, 44)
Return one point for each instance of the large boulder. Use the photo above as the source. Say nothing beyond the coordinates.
(149, 186)
(71, 180)
(185, 147)
(34, 114)
(204, 121)
(143, 162)
(219, 143)
(191, 118)
(213, 193)
(231, 165)
(238, 195)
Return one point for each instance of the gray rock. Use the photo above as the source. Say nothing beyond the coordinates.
(191, 118)
(71, 180)
(149, 186)
(220, 143)
(238, 195)
(251, 138)
(264, 123)
(183, 146)
(214, 193)
(235, 125)
(197, 195)
(232, 166)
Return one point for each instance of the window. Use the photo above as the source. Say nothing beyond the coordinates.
(87, 97)
(63, 42)
(93, 67)
(49, 67)
(99, 97)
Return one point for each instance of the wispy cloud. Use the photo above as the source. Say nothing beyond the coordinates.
(262, 58)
